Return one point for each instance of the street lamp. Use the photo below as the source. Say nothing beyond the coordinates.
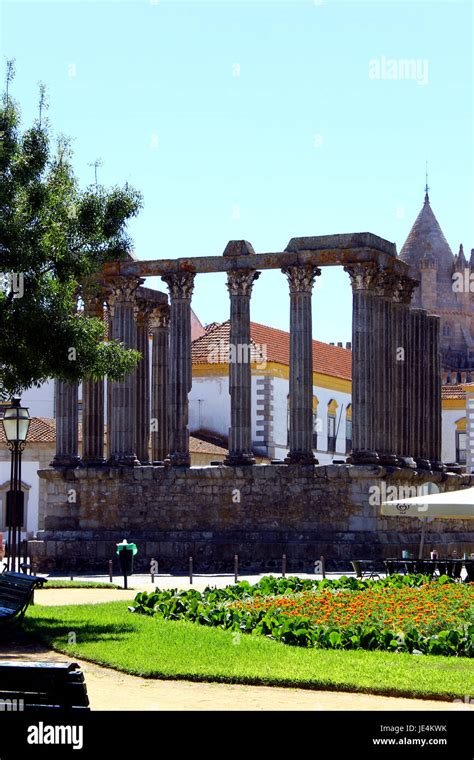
(16, 422)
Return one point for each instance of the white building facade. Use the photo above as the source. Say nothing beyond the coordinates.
(209, 400)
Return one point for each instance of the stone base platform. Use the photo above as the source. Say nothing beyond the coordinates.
(259, 512)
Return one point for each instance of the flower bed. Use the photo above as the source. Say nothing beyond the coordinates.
(398, 613)
(429, 608)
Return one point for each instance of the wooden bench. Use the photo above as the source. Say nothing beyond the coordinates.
(16, 593)
(42, 685)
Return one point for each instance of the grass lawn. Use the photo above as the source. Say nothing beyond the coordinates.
(109, 635)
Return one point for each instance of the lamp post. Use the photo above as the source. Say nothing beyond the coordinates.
(16, 423)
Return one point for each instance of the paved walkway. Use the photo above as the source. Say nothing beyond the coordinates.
(138, 583)
(61, 596)
(165, 580)
(111, 690)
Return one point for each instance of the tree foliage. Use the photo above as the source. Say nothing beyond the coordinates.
(54, 238)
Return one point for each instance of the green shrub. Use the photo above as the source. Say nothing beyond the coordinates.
(213, 607)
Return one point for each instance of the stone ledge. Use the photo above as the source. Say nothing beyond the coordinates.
(214, 551)
(323, 506)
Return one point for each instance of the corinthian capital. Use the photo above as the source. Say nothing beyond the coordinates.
(301, 278)
(240, 282)
(93, 297)
(405, 287)
(122, 289)
(94, 305)
(386, 283)
(159, 317)
(362, 275)
(180, 284)
(142, 310)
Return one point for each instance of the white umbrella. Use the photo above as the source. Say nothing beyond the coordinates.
(450, 505)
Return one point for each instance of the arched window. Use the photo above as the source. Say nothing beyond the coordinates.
(332, 409)
(446, 331)
(461, 441)
(4, 488)
(315, 422)
(349, 429)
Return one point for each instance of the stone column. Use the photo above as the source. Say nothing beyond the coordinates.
(398, 359)
(301, 280)
(108, 383)
(402, 398)
(434, 453)
(362, 278)
(384, 367)
(412, 385)
(66, 425)
(160, 360)
(142, 441)
(418, 421)
(239, 284)
(181, 286)
(426, 393)
(93, 400)
(123, 392)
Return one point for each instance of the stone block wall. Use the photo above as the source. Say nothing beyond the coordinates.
(212, 513)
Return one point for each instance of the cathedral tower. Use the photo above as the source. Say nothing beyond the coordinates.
(445, 287)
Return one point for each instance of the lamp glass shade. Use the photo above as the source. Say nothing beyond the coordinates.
(16, 422)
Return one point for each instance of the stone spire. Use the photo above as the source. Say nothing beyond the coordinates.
(426, 244)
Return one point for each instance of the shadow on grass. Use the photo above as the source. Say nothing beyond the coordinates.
(53, 632)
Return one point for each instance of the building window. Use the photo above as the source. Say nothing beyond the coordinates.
(332, 409)
(4, 488)
(349, 429)
(315, 422)
(461, 441)
(331, 434)
(446, 331)
(461, 448)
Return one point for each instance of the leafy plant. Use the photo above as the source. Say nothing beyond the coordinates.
(287, 610)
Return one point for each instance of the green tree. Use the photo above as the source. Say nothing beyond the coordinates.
(54, 238)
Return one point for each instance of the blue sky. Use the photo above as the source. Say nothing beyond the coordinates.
(259, 120)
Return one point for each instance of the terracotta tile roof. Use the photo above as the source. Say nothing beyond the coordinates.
(213, 346)
(211, 326)
(272, 344)
(41, 430)
(199, 446)
(452, 391)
